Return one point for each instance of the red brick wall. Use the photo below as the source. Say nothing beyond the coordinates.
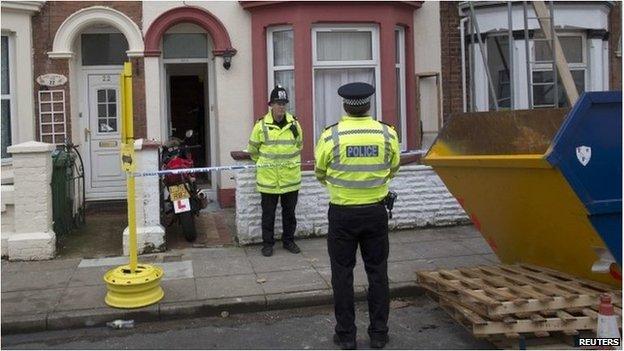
(46, 23)
(451, 59)
(615, 34)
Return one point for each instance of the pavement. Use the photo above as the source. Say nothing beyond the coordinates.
(202, 282)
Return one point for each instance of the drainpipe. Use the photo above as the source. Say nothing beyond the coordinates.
(462, 41)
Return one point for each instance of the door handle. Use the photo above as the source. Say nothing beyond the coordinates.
(87, 133)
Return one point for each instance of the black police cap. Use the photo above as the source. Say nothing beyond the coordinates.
(278, 94)
(356, 94)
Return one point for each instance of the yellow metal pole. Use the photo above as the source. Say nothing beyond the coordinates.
(133, 285)
(129, 134)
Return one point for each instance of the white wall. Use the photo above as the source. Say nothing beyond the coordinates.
(232, 102)
(422, 201)
(17, 24)
(7, 220)
(427, 58)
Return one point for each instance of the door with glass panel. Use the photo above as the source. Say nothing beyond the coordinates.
(103, 136)
(102, 54)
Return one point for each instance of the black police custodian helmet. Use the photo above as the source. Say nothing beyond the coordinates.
(278, 94)
(356, 94)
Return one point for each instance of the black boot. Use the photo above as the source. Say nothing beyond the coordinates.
(379, 342)
(267, 251)
(345, 345)
(292, 247)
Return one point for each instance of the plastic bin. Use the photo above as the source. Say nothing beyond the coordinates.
(528, 181)
(62, 191)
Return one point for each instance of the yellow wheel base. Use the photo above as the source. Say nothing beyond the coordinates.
(132, 290)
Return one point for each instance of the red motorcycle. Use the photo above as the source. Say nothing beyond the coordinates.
(182, 200)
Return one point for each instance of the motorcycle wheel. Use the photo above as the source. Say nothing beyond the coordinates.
(188, 226)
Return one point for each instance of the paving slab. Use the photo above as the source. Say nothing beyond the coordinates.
(34, 280)
(218, 252)
(104, 262)
(29, 302)
(37, 266)
(312, 244)
(359, 275)
(115, 261)
(433, 249)
(179, 290)
(292, 281)
(223, 266)
(176, 270)
(433, 234)
(477, 245)
(228, 286)
(281, 260)
(83, 297)
(88, 276)
(460, 261)
(492, 258)
(405, 271)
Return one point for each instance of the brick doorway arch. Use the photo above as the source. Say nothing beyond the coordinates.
(187, 14)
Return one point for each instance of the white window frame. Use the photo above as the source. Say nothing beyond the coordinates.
(573, 66)
(58, 138)
(12, 94)
(375, 63)
(401, 66)
(271, 68)
(188, 60)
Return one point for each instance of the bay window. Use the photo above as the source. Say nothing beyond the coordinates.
(342, 55)
(7, 95)
(401, 127)
(574, 50)
(281, 62)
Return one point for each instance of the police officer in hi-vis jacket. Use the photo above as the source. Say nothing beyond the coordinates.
(277, 140)
(355, 159)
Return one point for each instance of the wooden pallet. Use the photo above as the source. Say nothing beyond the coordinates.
(501, 290)
(540, 324)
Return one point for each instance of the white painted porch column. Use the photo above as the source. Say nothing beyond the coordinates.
(595, 65)
(150, 233)
(34, 238)
(153, 98)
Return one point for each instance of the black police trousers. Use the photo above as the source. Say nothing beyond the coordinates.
(268, 203)
(366, 226)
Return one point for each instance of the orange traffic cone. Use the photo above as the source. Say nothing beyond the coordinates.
(607, 319)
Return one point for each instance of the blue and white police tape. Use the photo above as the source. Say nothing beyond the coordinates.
(240, 167)
(216, 168)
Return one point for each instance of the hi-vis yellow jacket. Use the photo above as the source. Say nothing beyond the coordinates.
(356, 158)
(269, 144)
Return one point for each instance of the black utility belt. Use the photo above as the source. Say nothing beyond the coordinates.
(374, 204)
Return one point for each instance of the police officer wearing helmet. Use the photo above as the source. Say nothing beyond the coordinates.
(277, 140)
(355, 160)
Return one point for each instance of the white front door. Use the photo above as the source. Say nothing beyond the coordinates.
(104, 178)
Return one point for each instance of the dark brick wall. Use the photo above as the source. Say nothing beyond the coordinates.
(615, 34)
(451, 58)
(46, 23)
